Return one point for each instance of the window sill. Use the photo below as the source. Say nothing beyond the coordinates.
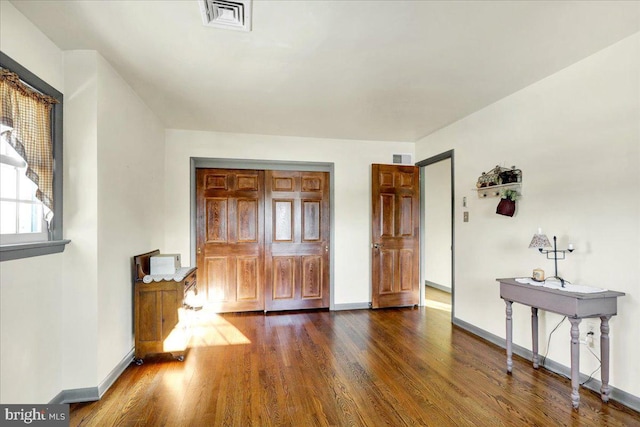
(27, 250)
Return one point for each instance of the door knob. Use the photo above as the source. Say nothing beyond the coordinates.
(199, 251)
(377, 245)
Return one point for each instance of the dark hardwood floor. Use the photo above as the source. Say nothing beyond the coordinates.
(394, 367)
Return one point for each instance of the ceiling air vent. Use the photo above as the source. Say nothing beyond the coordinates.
(229, 14)
(404, 159)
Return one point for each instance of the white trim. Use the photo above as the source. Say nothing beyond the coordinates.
(12, 161)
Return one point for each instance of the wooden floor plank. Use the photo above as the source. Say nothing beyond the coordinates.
(396, 367)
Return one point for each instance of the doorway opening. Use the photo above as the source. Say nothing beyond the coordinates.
(437, 213)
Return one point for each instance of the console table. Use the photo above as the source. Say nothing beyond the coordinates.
(576, 306)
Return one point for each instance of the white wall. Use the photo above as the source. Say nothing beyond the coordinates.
(352, 200)
(130, 192)
(66, 319)
(30, 329)
(30, 297)
(27, 45)
(80, 259)
(114, 162)
(576, 137)
(437, 233)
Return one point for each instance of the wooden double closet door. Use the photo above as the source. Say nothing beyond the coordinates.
(262, 239)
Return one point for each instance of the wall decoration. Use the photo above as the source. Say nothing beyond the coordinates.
(491, 183)
(507, 204)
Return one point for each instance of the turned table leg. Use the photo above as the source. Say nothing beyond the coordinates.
(604, 357)
(534, 335)
(575, 362)
(509, 337)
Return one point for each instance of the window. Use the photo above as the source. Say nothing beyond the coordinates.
(22, 215)
(30, 164)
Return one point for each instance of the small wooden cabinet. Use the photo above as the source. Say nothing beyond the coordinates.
(160, 315)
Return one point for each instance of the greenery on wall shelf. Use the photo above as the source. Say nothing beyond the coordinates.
(509, 194)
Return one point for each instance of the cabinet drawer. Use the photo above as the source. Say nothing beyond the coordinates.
(190, 283)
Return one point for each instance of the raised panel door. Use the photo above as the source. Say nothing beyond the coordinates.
(395, 235)
(230, 238)
(296, 240)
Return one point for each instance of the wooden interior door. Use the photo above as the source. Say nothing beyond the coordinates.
(395, 236)
(230, 238)
(297, 240)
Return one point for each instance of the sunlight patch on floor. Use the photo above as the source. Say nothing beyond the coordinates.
(210, 329)
(437, 305)
(175, 382)
(178, 338)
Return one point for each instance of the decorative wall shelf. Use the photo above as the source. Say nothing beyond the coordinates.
(491, 183)
(494, 190)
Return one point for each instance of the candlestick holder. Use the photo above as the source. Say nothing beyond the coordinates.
(541, 241)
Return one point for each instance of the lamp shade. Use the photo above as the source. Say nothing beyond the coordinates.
(540, 241)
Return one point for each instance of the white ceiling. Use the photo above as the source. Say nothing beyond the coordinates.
(371, 70)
